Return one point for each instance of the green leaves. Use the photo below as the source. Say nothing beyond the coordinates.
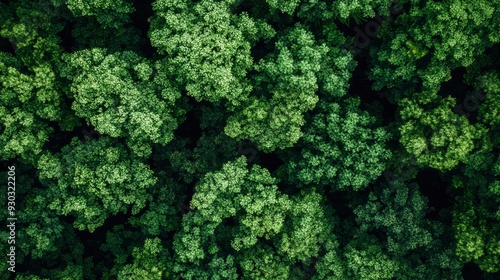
(477, 237)
(476, 213)
(108, 14)
(150, 262)
(285, 89)
(27, 102)
(365, 259)
(94, 180)
(489, 112)
(235, 210)
(437, 137)
(175, 88)
(306, 229)
(119, 96)
(400, 213)
(341, 148)
(206, 46)
(236, 191)
(422, 47)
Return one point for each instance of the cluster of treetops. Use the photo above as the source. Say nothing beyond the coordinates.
(239, 139)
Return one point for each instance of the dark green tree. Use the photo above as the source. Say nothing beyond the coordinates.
(342, 148)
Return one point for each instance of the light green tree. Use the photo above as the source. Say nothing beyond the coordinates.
(234, 210)
(435, 135)
(93, 180)
(206, 47)
(120, 95)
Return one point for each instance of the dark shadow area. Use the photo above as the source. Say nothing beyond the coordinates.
(261, 49)
(6, 46)
(434, 188)
(338, 201)
(190, 128)
(360, 85)
(92, 242)
(140, 19)
(67, 41)
(270, 161)
(60, 138)
(463, 94)
(470, 271)
(455, 87)
(493, 54)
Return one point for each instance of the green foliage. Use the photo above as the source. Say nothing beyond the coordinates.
(306, 228)
(93, 180)
(250, 199)
(342, 148)
(206, 46)
(365, 259)
(436, 137)
(477, 237)
(108, 14)
(400, 214)
(489, 112)
(120, 96)
(32, 27)
(344, 10)
(30, 88)
(288, 7)
(422, 47)
(261, 208)
(476, 214)
(150, 262)
(331, 265)
(286, 85)
(176, 89)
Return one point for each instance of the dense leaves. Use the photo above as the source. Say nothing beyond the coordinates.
(207, 48)
(230, 139)
(119, 96)
(94, 179)
(341, 148)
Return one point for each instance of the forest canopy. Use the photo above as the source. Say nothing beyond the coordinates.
(265, 139)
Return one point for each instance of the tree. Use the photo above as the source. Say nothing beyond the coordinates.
(150, 262)
(341, 148)
(93, 180)
(489, 112)
(419, 50)
(31, 93)
(44, 241)
(120, 95)
(285, 89)
(476, 213)
(365, 259)
(398, 213)
(436, 137)
(206, 46)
